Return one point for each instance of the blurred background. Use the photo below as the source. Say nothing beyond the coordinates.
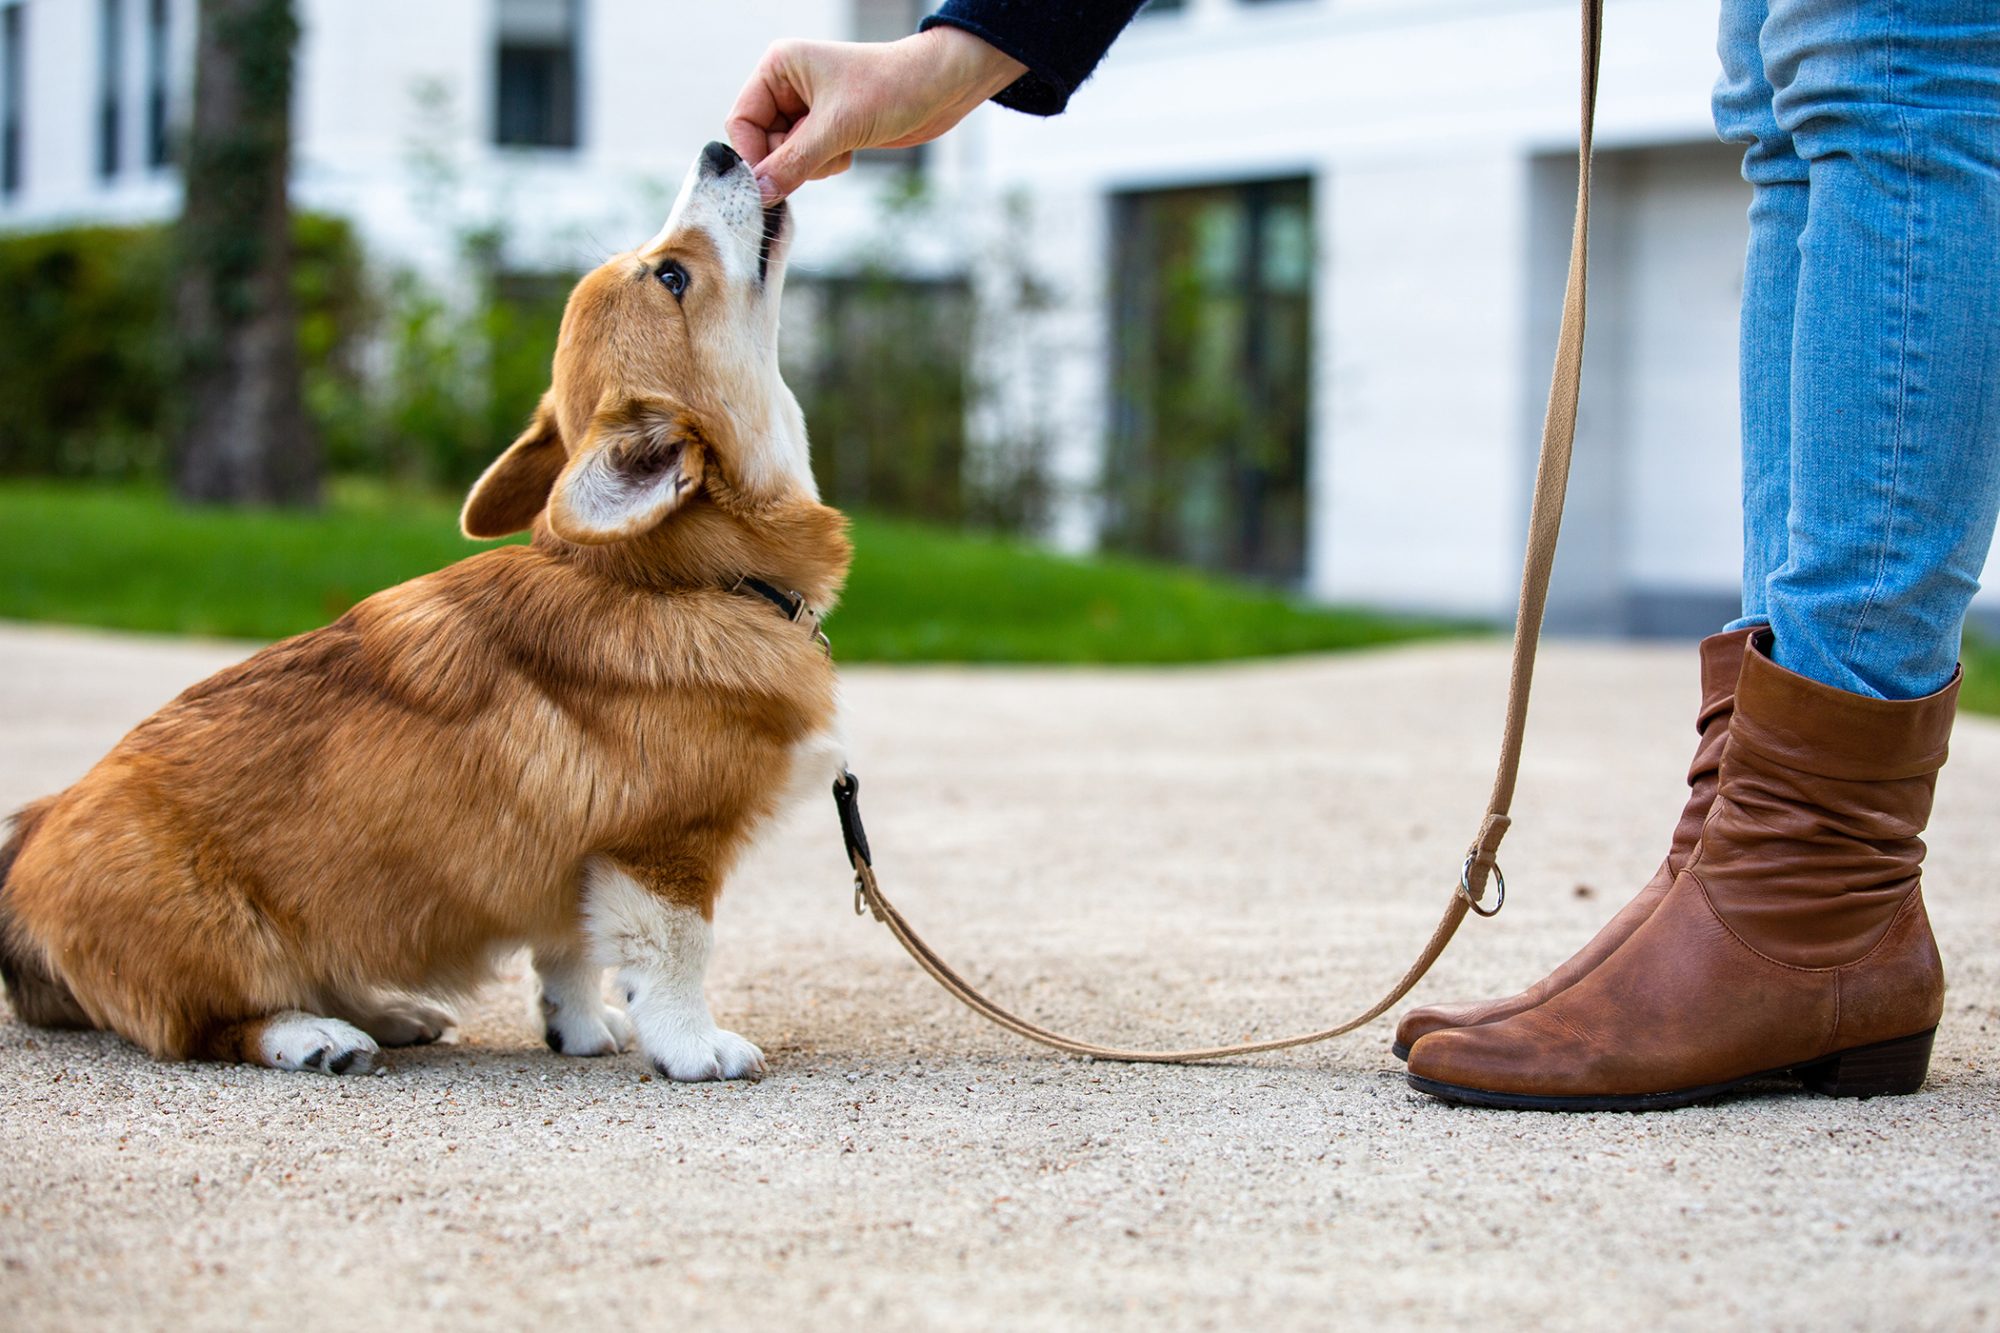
(1246, 353)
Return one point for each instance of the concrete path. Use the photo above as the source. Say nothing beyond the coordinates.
(1159, 856)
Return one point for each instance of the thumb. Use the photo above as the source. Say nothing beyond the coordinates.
(810, 146)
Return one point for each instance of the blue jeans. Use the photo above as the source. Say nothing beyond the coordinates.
(1871, 327)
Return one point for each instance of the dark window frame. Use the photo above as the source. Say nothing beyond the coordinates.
(1239, 448)
(13, 38)
(110, 88)
(895, 440)
(556, 109)
(159, 59)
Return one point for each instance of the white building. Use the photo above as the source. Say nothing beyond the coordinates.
(1344, 220)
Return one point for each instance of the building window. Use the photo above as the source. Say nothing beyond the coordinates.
(536, 88)
(11, 99)
(110, 68)
(879, 365)
(156, 83)
(1212, 363)
(887, 21)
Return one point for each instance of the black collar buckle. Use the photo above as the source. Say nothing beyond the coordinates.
(789, 601)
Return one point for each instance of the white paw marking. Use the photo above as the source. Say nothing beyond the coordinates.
(705, 1055)
(324, 1045)
(575, 1019)
(581, 1033)
(662, 951)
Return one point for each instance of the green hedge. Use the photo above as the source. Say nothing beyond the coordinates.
(86, 375)
(456, 382)
(84, 365)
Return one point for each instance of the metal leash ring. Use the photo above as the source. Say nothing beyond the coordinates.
(1465, 887)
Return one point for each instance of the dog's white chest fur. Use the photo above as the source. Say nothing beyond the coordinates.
(816, 762)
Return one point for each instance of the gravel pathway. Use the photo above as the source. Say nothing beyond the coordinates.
(1161, 855)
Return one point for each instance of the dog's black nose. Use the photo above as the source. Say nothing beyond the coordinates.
(718, 159)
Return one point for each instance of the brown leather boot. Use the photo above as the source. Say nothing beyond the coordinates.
(1793, 942)
(1721, 664)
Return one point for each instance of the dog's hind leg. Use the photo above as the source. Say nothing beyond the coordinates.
(398, 1020)
(39, 996)
(292, 1039)
(575, 1019)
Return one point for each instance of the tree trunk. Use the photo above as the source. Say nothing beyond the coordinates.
(245, 437)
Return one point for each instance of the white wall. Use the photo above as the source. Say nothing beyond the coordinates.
(59, 142)
(1681, 420)
(1416, 488)
(1652, 539)
(657, 81)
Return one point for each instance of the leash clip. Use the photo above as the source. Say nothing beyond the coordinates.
(846, 800)
(1465, 887)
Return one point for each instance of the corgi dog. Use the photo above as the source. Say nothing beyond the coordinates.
(564, 745)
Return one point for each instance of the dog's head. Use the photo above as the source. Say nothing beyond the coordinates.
(666, 380)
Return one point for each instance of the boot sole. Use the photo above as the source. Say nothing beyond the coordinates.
(1885, 1069)
(1401, 1050)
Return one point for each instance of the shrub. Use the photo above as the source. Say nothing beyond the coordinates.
(455, 384)
(82, 366)
(84, 369)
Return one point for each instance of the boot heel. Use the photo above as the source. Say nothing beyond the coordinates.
(1886, 1069)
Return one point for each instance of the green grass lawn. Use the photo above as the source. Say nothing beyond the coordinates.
(127, 558)
(1981, 691)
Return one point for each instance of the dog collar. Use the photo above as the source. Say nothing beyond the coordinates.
(791, 604)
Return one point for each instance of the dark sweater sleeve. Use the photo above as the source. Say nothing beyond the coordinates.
(1060, 41)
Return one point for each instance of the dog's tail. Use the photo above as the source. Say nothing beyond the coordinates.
(38, 997)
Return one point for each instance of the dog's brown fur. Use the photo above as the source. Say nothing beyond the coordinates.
(381, 804)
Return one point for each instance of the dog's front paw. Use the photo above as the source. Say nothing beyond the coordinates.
(322, 1045)
(704, 1055)
(572, 1030)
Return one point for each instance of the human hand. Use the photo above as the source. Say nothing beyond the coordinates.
(810, 105)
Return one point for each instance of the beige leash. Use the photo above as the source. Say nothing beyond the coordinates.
(1544, 523)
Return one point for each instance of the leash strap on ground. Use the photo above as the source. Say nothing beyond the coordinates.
(1544, 525)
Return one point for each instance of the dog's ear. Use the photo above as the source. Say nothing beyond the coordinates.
(640, 459)
(514, 488)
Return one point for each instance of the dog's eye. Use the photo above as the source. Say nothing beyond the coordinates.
(674, 278)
